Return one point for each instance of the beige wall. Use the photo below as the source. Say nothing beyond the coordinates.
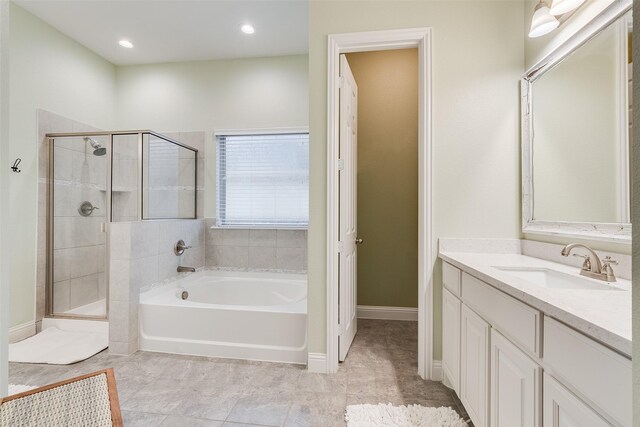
(387, 176)
(54, 73)
(209, 95)
(475, 123)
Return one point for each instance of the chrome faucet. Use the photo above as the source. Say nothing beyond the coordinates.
(182, 269)
(595, 269)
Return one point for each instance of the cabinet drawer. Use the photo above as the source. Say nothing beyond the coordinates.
(517, 321)
(451, 278)
(599, 374)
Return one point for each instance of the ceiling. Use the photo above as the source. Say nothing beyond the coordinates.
(178, 30)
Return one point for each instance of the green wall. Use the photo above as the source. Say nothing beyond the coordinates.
(387, 176)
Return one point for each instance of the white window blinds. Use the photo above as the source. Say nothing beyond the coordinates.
(263, 180)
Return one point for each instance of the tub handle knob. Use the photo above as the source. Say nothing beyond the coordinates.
(180, 247)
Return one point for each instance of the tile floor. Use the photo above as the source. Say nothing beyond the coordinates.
(170, 390)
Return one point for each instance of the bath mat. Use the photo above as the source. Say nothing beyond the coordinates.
(402, 416)
(57, 347)
(19, 388)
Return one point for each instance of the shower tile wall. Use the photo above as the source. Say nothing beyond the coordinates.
(79, 249)
(142, 254)
(125, 182)
(257, 249)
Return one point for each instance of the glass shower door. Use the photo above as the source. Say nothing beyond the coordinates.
(77, 214)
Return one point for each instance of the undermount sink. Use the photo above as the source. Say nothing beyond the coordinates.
(553, 279)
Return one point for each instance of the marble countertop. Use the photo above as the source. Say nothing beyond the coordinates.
(604, 315)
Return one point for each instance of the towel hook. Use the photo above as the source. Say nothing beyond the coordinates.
(15, 165)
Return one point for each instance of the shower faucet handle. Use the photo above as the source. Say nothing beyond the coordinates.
(180, 247)
(86, 208)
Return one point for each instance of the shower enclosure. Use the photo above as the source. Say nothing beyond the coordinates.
(96, 178)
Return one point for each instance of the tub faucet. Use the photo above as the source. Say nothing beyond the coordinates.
(595, 269)
(182, 269)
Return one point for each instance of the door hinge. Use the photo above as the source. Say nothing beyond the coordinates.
(340, 164)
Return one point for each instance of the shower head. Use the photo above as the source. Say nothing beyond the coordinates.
(98, 150)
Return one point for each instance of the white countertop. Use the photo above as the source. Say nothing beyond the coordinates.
(601, 314)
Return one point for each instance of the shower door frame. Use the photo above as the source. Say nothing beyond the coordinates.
(109, 214)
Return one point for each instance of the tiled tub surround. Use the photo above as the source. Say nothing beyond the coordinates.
(256, 249)
(79, 249)
(141, 254)
(602, 315)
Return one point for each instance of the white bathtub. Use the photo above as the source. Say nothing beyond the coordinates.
(240, 315)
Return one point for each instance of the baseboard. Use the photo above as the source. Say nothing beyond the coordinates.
(317, 363)
(20, 332)
(387, 313)
(436, 370)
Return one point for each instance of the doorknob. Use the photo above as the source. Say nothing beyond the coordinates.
(359, 241)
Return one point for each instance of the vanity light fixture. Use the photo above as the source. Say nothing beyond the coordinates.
(247, 29)
(543, 22)
(560, 7)
(125, 43)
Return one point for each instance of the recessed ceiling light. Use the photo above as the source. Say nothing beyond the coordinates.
(125, 43)
(247, 29)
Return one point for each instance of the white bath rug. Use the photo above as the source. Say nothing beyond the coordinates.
(19, 388)
(57, 347)
(402, 416)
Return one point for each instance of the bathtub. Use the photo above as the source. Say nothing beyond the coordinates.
(240, 315)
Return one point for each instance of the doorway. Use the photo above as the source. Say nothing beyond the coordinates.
(342, 192)
(386, 191)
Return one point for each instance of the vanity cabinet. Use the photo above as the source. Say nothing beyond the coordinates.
(451, 340)
(515, 385)
(474, 366)
(495, 359)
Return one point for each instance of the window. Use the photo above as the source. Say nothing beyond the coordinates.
(263, 180)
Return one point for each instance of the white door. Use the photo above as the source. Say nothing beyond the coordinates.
(451, 340)
(515, 385)
(474, 366)
(347, 261)
(563, 409)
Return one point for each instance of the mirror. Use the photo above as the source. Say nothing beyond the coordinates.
(576, 133)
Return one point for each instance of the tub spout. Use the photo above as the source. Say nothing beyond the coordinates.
(182, 269)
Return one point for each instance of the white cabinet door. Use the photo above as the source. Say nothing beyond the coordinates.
(515, 385)
(474, 366)
(451, 340)
(563, 409)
